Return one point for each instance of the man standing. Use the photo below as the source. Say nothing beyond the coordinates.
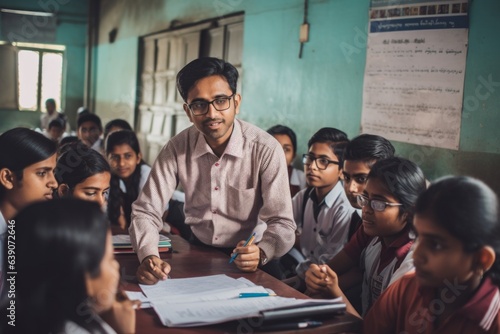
(234, 176)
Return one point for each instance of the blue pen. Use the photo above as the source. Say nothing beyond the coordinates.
(256, 294)
(247, 243)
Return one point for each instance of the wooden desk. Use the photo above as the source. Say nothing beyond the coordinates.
(191, 261)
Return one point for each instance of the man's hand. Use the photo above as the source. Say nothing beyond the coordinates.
(248, 257)
(152, 269)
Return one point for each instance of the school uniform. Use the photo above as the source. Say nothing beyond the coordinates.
(145, 170)
(407, 307)
(381, 264)
(325, 228)
(297, 180)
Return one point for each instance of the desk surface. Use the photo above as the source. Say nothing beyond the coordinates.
(190, 261)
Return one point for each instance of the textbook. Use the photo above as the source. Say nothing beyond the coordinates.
(122, 244)
(207, 300)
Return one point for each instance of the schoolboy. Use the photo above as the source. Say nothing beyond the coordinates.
(90, 130)
(55, 130)
(361, 153)
(325, 217)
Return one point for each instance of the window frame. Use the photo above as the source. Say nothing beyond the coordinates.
(41, 51)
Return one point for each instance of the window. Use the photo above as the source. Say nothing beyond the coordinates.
(39, 75)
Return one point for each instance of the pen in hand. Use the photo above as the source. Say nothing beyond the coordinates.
(154, 267)
(247, 243)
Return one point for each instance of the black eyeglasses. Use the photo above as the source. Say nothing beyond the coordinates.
(321, 163)
(375, 204)
(199, 108)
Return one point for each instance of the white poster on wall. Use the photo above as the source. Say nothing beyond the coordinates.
(415, 69)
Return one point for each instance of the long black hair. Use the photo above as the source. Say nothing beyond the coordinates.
(79, 162)
(404, 179)
(468, 209)
(116, 197)
(22, 147)
(58, 243)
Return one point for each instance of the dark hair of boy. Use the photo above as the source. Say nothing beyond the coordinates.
(284, 130)
(205, 67)
(89, 118)
(368, 148)
(56, 123)
(336, 138)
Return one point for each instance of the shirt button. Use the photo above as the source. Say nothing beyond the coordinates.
(216, 188)
(214, 212)
(314, 229)
(217, 164)
(216, 238)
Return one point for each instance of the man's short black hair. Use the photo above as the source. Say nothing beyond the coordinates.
(204, 67)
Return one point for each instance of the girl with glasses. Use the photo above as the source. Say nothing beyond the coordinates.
(382, 247)
(455, 287)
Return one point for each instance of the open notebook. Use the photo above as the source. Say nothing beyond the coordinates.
(214, 299)
(121, 244)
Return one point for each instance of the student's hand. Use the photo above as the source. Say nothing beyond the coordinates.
(152, 269)
(316, 280)
(121, 316)
(248, 257)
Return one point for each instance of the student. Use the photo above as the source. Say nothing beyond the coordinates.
(323, 220)
(115, 125)
(67, 277)
(56, 130)
(89, 131)
(286, 137)
(27, 162)
(83, 173)
(130, 173)
(234, 176)
(52, 114)
(457, 271)
(382, 246)
(361, 153)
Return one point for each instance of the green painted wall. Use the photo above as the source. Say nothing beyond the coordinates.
(324, 88)
(71, 32)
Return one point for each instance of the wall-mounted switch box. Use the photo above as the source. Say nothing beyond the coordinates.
(304, 33)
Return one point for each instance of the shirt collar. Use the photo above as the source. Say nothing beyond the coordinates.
(234, 146)
(484, 305)
(402, 244)
(330, 197)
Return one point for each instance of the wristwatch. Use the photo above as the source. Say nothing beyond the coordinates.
(263, 258)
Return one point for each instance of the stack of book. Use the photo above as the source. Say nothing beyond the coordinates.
(121, 244)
